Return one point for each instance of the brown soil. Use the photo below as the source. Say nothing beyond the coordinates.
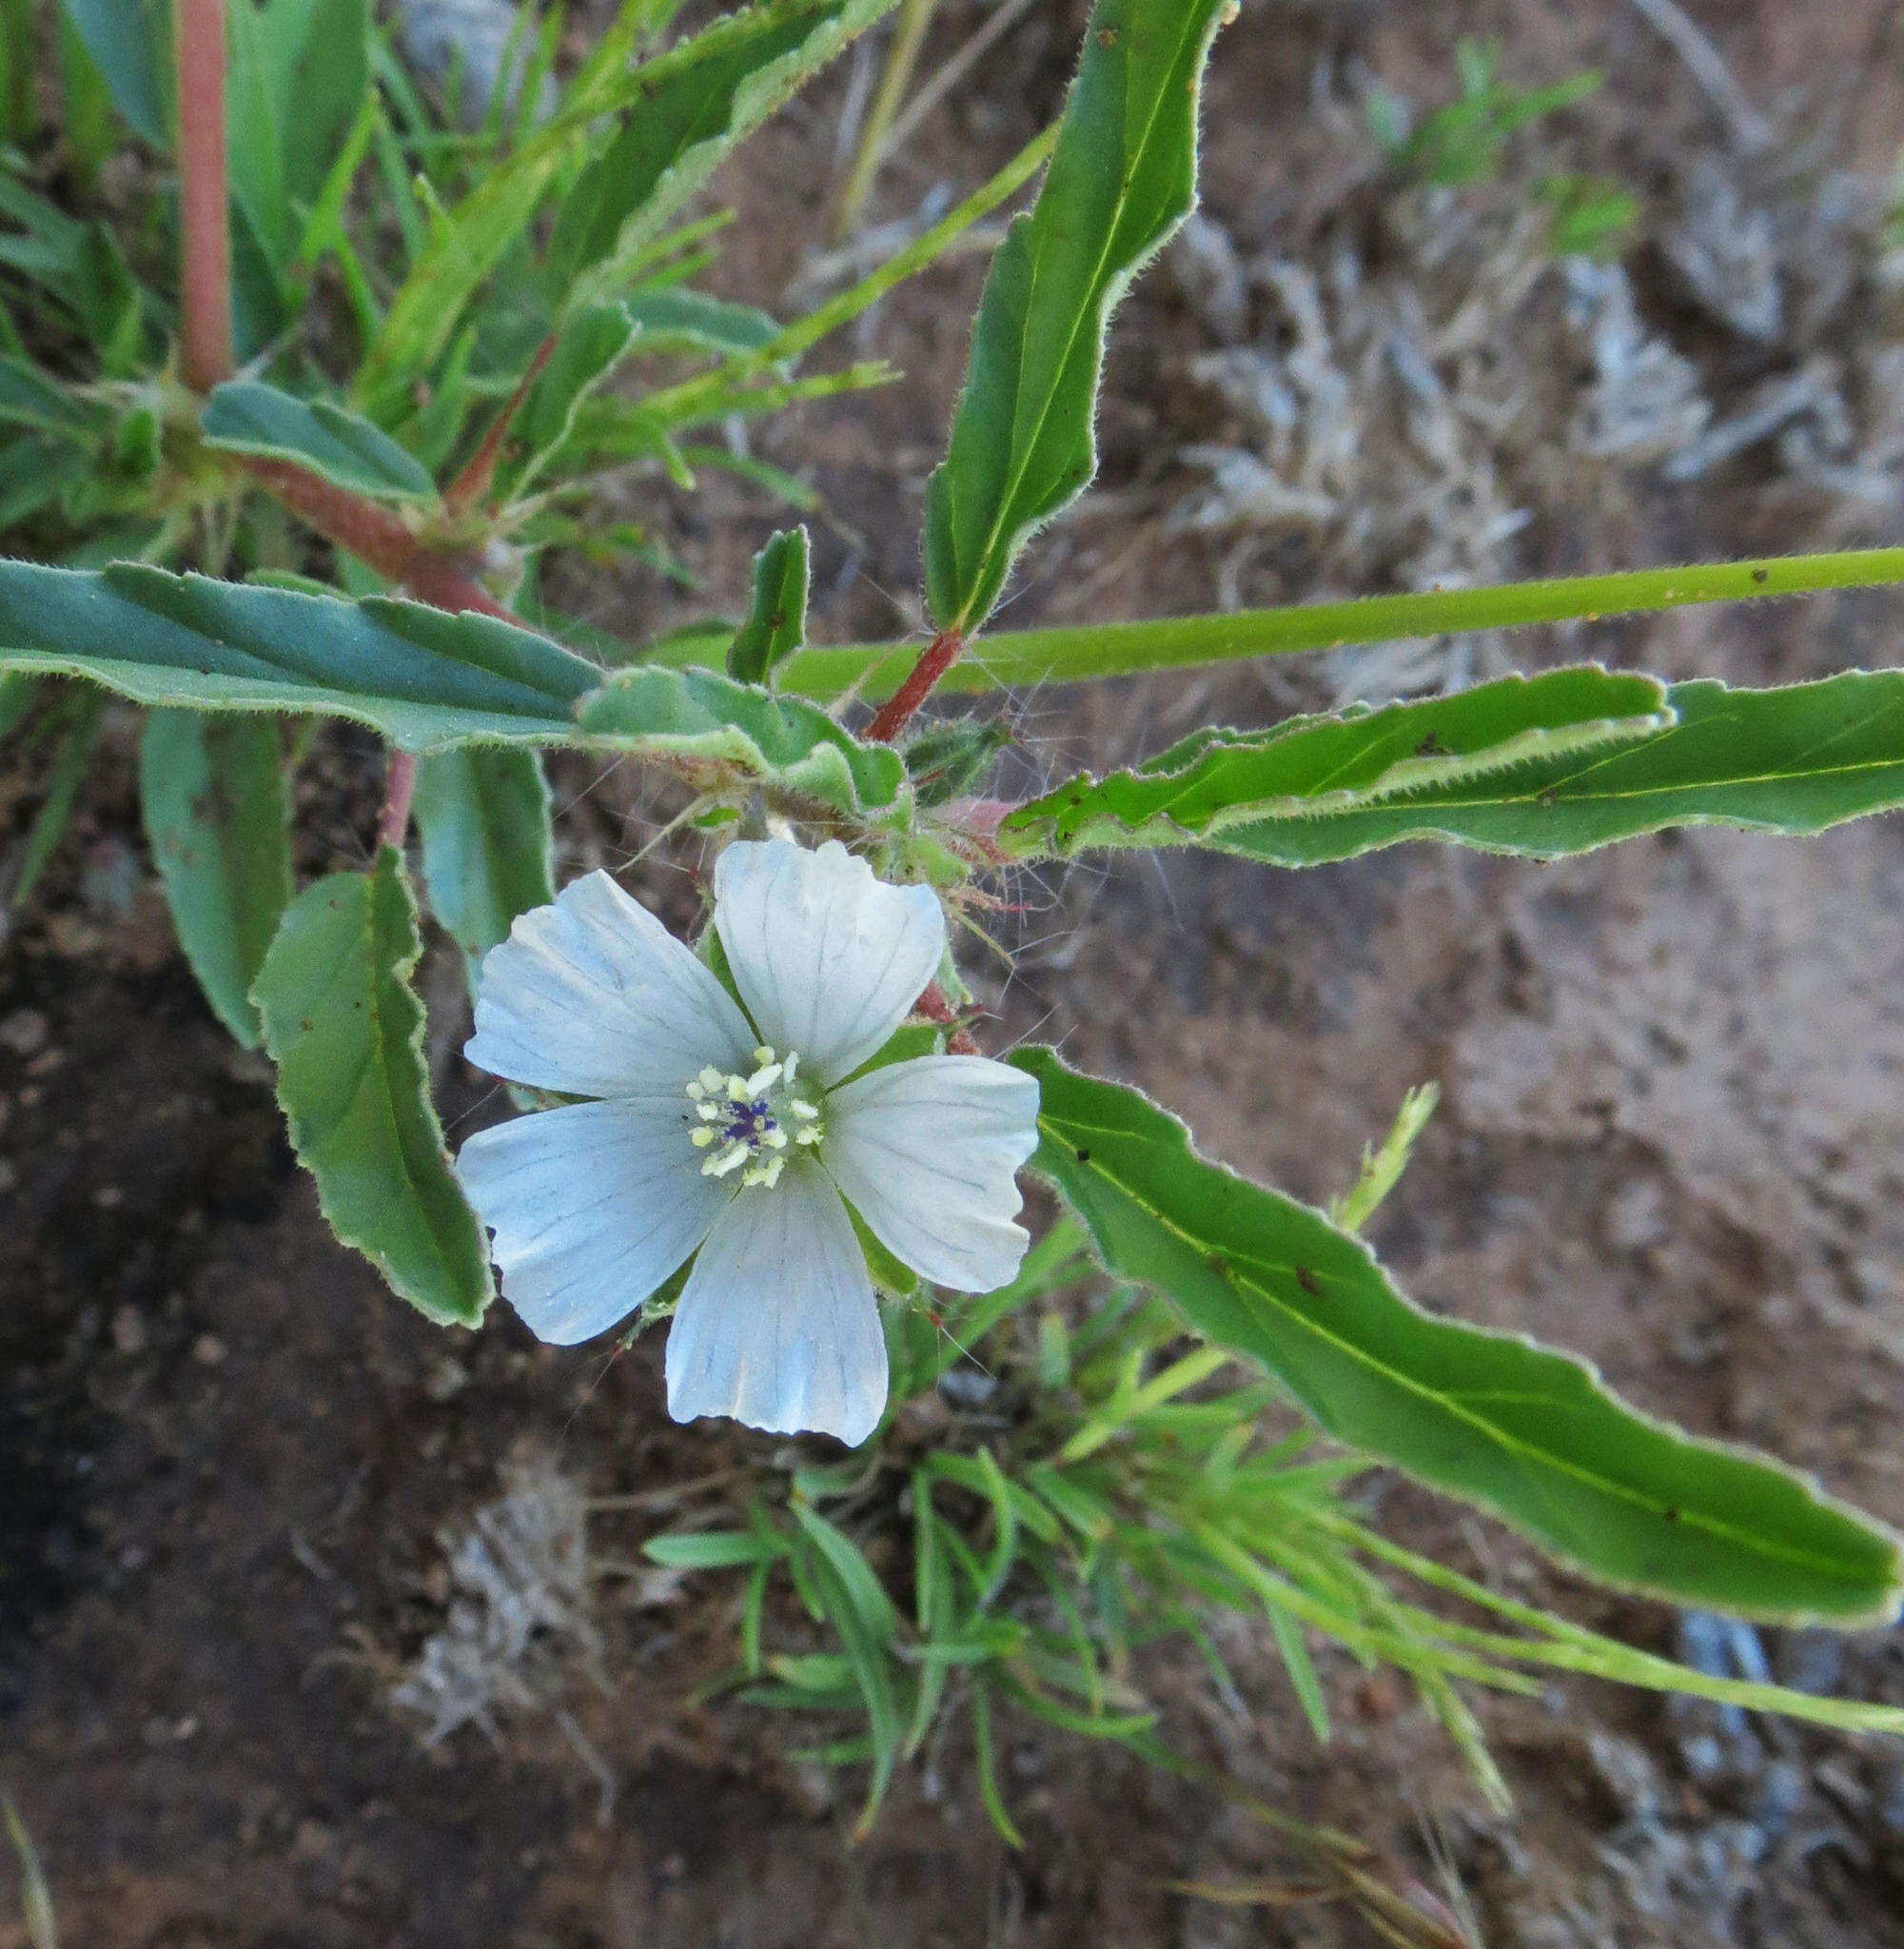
(1670, 1138)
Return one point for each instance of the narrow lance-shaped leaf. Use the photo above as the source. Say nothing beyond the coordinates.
(1529, 1433)
(421, 678)
(695, 104)
(345, 1031)
(1315, 768)
(690, 106)
(246, 416)
(590, 346)
(212, 789)
(483, 813)
(1073, 653)
(1122, 177)
(1791, 760)
(776, 620)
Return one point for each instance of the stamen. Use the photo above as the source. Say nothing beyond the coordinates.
(745, 1123)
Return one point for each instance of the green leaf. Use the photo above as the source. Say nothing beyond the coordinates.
(776, 622)
(712, 1549)
(693, 104)
(419, 677)
(246, 416)
(1791, 761)
(218, 818)
(28, 397)
(742, 735)
(673, 318)
(254, 142)
(318, 61)
(130, 41)
(1316, 769)
(78, 733)
(1525, 1432)
(1122, 177)
(346, 1033)
(483, 812)
(587, 351)
(678, 114)
(1029, 659)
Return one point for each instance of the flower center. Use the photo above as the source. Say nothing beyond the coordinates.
(745, 1123)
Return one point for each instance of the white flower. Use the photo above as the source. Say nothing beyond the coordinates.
(739, 1135)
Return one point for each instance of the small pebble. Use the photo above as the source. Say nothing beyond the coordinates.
(128, 1330)
(208, 1349)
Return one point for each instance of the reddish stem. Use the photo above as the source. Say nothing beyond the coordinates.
(896, 712)
(393, 825)
(375, 536)
(473, 483)
(204, 219)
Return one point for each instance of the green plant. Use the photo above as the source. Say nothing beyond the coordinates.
(428, 320)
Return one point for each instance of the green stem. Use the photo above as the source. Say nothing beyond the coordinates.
(1020, 659)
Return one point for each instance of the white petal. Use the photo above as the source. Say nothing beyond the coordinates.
(928, 1152)
(592, 1206)
(778, 1326)
(595, 997)
(829, 959)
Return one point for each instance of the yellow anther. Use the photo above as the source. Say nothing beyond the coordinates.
(736, 1089)
(701, 1138)
(696, 1091)
(774, 1137)
(710, 1078)
(763, 1079)
(763, 1054)
(804, 1110)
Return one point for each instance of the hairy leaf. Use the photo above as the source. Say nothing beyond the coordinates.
(1791, 760)
(776, 622)
(1122, 177)
(483, 812)
(346, 1033)
(421, 678)
(731, 733)
(246, 416)
(1313, 768)
(212, 789)
(1527, 1433)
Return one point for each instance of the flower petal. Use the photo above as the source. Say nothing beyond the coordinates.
(778, 1326)
(592, 1206)
(595, 997)
(928, 1153)
(829, 959)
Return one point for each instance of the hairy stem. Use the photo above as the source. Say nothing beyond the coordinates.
(205, 277)
(400, 787)
(375, 536)
(934, 660)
